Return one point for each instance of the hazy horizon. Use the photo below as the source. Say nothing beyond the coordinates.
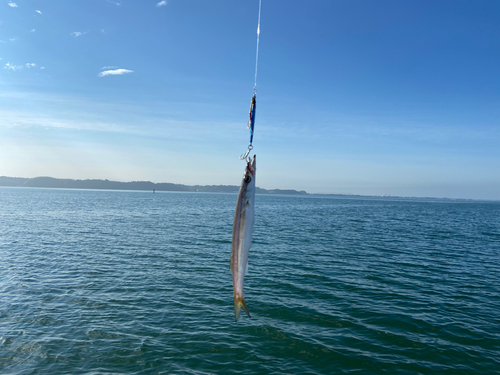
(388, 98)
(232, 185)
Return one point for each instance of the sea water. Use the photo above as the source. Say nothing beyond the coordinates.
(121, 282)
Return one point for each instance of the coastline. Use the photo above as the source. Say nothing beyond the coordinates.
(98, 184)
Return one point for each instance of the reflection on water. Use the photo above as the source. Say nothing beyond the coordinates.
(136, 283)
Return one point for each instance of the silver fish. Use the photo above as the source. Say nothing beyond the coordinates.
(242, 235)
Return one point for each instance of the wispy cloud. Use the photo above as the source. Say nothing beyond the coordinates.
(114, 2)
(11, 119)
(161, 3)
(38, 11)
(14, 68)
(109, 67)
(12, 39)
(122, 119)
(32, 30)
(76, 34)
(114, 72)
(9, 66)
(13, 5)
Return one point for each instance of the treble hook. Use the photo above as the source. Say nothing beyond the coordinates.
(244, 156)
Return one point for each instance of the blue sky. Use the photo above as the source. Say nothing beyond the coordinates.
(357, 97)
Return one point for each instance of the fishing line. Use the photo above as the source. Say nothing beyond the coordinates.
(257, 52)
(253, 104)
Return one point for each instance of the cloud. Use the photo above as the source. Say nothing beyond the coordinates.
(161, 3)
(114, 2)
(114, 72)
(12, 5)
(9, 66)
(109, 67)
(38, 11)
(76, 34)
(11, 119)
(12, 39)
(32, 30)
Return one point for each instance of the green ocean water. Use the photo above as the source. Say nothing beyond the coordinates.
(116, 282)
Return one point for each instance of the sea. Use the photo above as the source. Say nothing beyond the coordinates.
(131, 282)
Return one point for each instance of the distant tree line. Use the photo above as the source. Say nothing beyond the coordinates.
(50, 182)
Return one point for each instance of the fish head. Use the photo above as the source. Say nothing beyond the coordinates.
(250, 170)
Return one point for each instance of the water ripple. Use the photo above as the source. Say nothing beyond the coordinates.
(108, 282)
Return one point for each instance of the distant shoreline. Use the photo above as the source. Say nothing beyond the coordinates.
(59, 183)
(96, 184)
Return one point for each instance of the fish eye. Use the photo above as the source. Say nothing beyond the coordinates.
(247, 178)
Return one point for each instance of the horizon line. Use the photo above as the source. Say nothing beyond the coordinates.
(291, 192)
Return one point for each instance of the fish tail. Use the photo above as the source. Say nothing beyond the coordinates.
(238, 304)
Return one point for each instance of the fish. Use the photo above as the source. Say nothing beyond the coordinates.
(242, 235)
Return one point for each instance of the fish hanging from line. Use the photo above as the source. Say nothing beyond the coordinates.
(245, 206)
(242, 235)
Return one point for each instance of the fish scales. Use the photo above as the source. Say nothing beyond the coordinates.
(242, 235)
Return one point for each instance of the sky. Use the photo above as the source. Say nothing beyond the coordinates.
(353, 97)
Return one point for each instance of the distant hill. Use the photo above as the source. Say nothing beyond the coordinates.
(50, 182)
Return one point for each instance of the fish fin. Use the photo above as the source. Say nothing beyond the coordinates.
(238, 304)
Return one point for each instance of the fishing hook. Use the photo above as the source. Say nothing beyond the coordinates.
(244, 156)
